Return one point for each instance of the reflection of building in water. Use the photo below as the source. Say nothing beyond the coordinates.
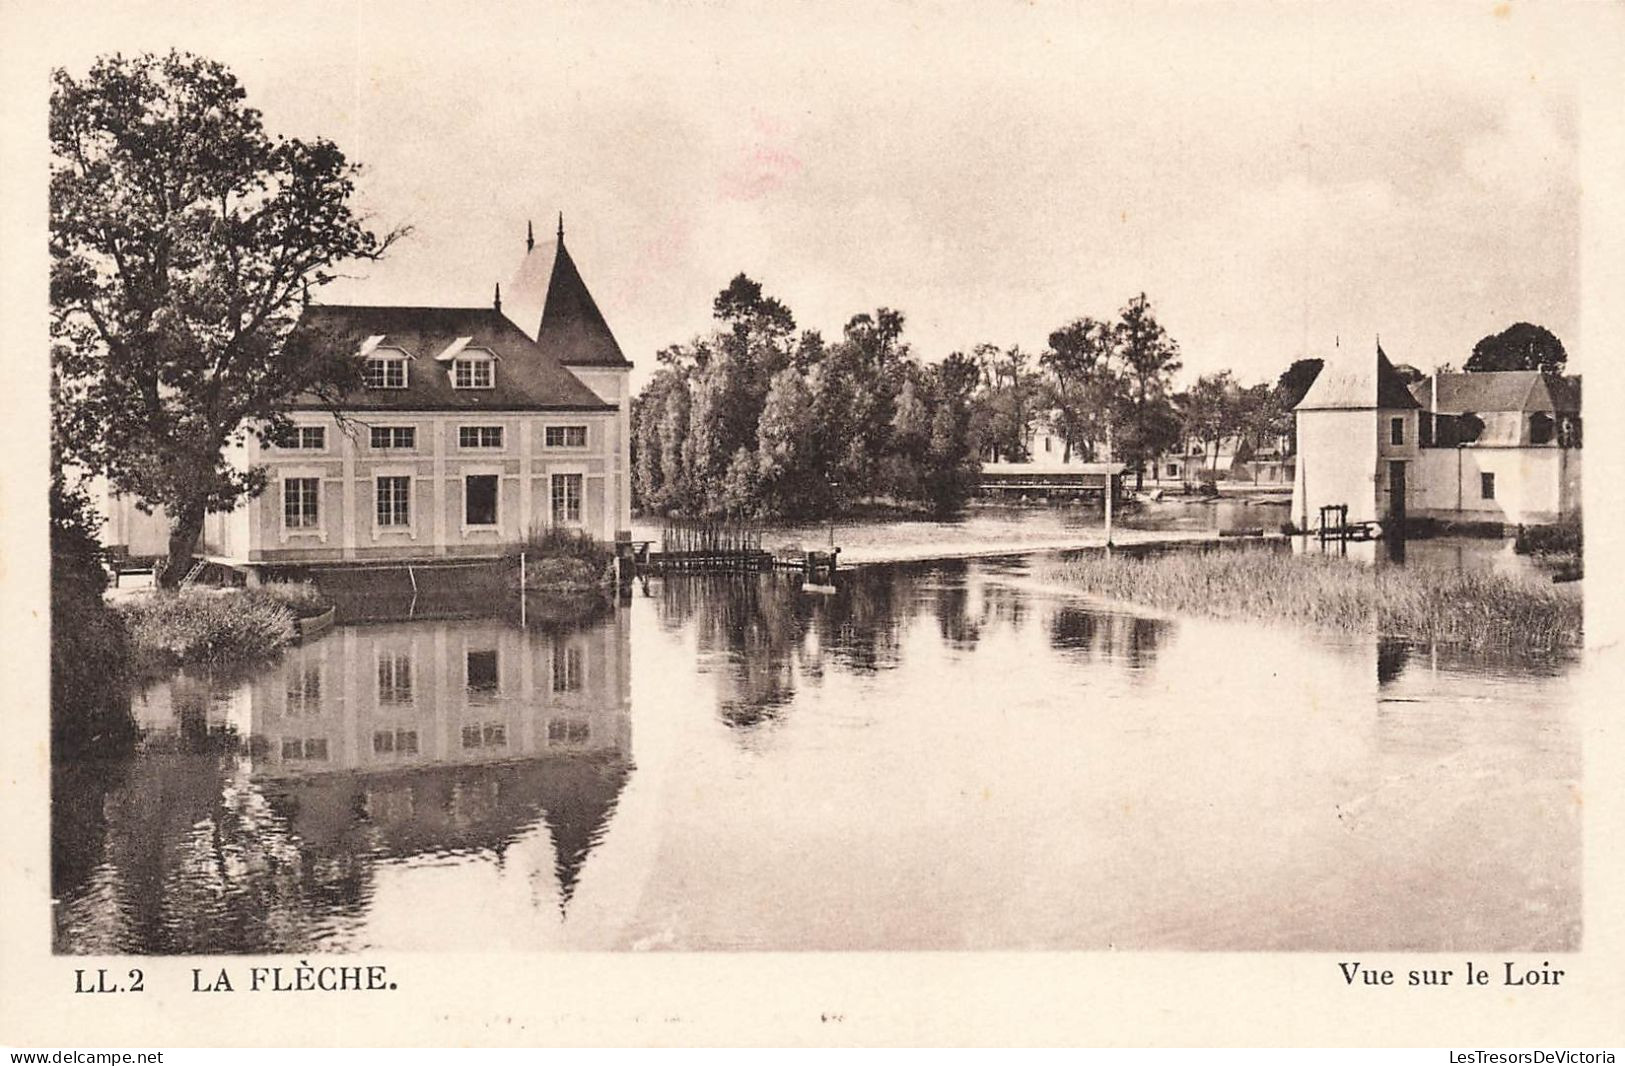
(371, 744)
(390, 697)
(450, 737)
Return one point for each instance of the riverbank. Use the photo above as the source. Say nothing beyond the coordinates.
(993, 529)
(215, 626)
(1473, 608)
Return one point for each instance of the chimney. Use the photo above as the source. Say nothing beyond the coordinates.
(496, 300)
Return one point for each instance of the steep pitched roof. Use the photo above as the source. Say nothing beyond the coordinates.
(1501, 390)
(1354, 381)
(528, 378)
(573, 329)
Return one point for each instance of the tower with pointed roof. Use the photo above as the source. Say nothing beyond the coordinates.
(562, 316)
(1357, 441)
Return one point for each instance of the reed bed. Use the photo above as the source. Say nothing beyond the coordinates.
(1471, 608)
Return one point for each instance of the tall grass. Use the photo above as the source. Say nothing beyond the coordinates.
(200, 626)
(1419, 603)
(562, 561)
(300, 597)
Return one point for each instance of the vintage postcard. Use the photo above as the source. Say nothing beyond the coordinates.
(795, 524)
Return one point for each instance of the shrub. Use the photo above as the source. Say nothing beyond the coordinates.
(90, 710)
(566, 543)
(300, 597)
(169, 629)
(1564, 538)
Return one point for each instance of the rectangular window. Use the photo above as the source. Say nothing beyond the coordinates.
(479, 436)
(566, 498)
(565, 436)
(1424, 421)
(300, 509)
(488, 735)
(308, 438)
(473, 374)
(394, 679)
(399, 741)
(480, 500)
(304, 689)
(1486, 486)
(482, 672)
(394, 437)
(316, 748)
(384, 372)
(1396, 431)
(566, 668)
(1173, 469)
(394, 501)
(568, 731)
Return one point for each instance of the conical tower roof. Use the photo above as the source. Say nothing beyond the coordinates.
(572, 329)
(1351, 380)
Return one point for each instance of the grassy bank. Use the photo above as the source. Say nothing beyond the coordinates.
(1420, 603)
(167, 630)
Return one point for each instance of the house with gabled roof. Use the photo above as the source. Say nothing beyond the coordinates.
(470, 430)
(1357, 442)
(1499, 446)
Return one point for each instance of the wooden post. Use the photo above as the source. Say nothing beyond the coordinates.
(522, 606)
(1109, 483)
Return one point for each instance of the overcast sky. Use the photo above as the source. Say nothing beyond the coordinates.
(1272, 177)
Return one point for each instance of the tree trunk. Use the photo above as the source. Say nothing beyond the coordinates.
(184, 531)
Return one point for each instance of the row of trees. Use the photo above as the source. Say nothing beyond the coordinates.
(756, 418)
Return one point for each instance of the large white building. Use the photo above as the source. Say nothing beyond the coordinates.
(475, 426)
(1497, 447)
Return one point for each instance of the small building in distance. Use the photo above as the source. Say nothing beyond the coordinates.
(1499, 446)
(1357, 442)
(1051, 469)
(470, 431)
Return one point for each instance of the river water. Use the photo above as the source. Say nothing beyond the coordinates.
(939, 756)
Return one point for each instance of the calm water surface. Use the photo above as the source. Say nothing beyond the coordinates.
(943, 755)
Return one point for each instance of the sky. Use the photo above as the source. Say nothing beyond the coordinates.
(1277, 179)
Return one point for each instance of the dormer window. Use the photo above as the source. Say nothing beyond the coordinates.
(385, 372)
(385, 368)
(473, 372)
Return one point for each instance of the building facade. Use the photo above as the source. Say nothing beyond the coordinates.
(1357, 442)
(1499, 446)
(468, 434)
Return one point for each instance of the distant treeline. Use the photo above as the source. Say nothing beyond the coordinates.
(758, 419)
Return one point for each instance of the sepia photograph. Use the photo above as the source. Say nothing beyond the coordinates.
(758, 482)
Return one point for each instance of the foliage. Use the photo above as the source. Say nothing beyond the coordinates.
(169, 629)
(754, 420)
(1474, 608)
(1079, 391)
(1149, 359)
(1290, 389)
(555, 542)
(89, 646)
(183, 240)
(1521, 346)
(299, 597)
(1562, 538)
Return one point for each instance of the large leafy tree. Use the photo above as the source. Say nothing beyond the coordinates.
(1078, 362)
(1149, 360)
(184, 239)
(1521, 346)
